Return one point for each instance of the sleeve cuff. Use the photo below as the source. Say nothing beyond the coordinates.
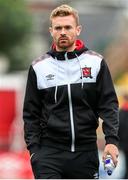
(110, 140)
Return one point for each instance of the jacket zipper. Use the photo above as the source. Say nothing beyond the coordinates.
(71, 111)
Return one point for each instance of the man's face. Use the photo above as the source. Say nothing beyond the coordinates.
(64, 31)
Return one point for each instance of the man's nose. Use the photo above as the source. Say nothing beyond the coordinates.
(63, 31)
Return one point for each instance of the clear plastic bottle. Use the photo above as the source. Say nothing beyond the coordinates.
(109, 165)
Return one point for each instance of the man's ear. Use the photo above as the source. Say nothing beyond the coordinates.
(79, 29)
(50, 30)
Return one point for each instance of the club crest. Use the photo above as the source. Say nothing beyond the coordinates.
(86, 72)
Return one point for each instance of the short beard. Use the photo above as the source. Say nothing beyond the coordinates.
(65, 48)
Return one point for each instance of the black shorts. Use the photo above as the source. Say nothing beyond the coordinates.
(53, 163)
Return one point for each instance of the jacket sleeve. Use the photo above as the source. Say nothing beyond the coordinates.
(107, 105)
(32, 113)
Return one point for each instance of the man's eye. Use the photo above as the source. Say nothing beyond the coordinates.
(68, 27)
(58, 28)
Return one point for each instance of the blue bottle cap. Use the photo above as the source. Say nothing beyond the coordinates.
(109, 172)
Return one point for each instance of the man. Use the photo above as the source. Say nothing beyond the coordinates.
(68, 89)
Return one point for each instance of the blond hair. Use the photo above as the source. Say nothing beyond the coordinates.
(65, 10)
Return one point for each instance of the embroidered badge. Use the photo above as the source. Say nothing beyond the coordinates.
(86, 72)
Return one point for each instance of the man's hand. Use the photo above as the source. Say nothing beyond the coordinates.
(111, 149)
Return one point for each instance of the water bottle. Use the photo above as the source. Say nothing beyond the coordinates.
(109, 165)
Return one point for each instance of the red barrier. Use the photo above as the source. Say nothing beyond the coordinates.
(7, 114)
(14, 165)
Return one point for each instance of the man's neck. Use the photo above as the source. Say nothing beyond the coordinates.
(71, 49)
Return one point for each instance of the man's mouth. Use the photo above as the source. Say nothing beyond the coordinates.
(63, 39)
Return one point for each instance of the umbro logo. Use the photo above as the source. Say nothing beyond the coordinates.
(50, 77)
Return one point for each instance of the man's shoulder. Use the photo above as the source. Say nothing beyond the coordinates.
(93, 53)
(40, 59)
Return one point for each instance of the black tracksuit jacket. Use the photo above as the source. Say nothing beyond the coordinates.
(66, 93)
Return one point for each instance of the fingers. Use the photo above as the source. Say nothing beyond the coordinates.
(111, 149)
(115, 159)
(104, 155)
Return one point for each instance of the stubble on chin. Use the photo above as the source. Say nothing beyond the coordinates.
(62, 47)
